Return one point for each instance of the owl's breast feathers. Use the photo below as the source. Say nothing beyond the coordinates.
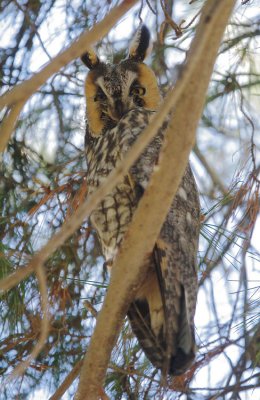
(162, 315)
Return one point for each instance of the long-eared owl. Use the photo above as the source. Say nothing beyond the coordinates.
(121, 99)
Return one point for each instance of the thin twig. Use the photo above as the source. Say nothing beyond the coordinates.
(214, 176)
(183, 27)
(90, 308)
(169, 20)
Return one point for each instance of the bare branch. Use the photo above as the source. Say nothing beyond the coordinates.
(23, 91)
(8, 124)
(67, 381)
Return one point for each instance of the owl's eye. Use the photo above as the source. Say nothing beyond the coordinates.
(100, 95)
(137, 90)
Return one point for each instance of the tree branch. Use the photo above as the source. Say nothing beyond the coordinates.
(23, 91)
(67, 381)
(180, 137)
(8, 124)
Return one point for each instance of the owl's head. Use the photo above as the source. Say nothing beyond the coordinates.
(114, 89)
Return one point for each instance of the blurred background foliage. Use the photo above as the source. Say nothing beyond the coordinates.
(42, 183)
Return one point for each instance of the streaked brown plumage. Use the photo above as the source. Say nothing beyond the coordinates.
(120, 102)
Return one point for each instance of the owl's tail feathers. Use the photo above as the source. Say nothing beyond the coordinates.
(140, 321)
(170, 359)
(185, 344)
(181, 362)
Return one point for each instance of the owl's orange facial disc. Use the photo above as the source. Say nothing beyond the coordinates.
(147, 79)
(94, 111)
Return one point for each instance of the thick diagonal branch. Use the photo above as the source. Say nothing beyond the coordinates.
(156, 201)
(23, 91)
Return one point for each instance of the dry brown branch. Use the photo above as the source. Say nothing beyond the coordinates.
(180, 138)
(8, 124)
(169, 21)
(23, 91)
(67, 381)
(90, 308)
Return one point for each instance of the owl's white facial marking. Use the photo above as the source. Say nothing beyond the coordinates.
(128, 80)
(114, 92)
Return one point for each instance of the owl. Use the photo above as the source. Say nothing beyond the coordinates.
(120, 101)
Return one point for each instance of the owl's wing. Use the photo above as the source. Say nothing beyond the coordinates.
(164, 324)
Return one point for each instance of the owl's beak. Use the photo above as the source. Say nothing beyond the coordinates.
(118, 110)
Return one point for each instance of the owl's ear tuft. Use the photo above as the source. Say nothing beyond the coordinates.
(90, 59)
(141, 44)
